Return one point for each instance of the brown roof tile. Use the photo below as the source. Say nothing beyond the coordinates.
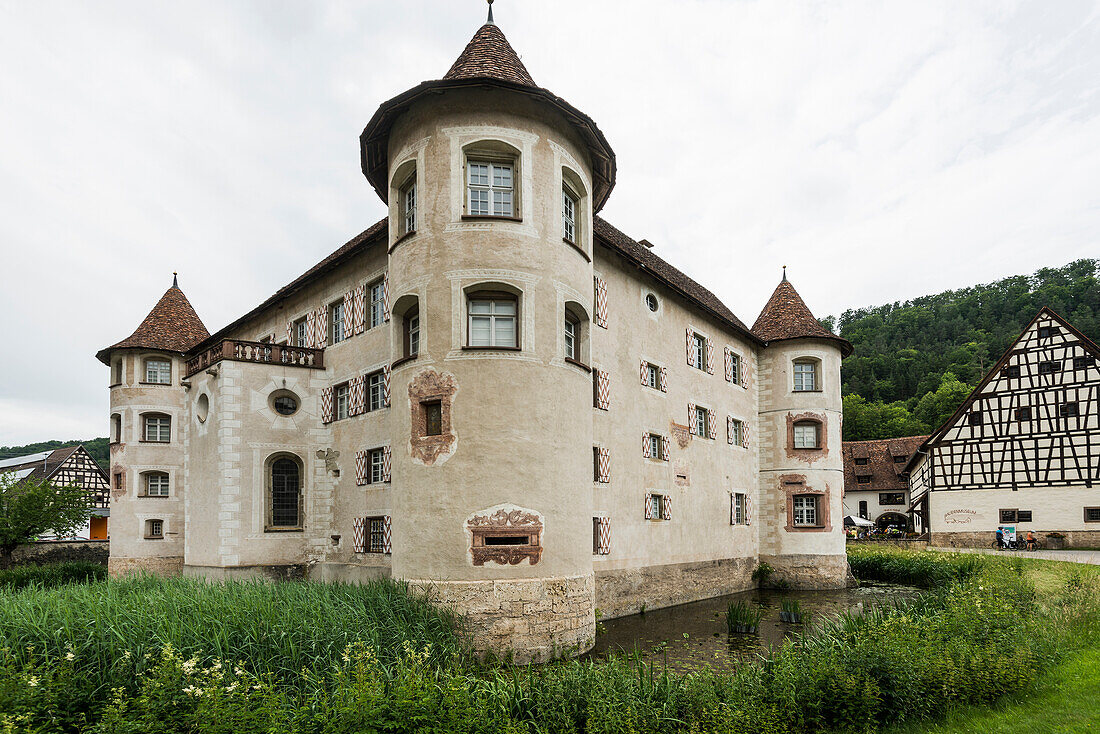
(488, 55)
(172, 325)
(786, 316)
(885, 473)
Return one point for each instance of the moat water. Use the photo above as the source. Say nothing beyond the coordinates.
(692, 636)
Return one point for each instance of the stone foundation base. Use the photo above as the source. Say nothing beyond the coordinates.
(620, 592)
(985, 538)
(348, 573)
(810, 571)
(533, 620)
(45, 552)
(282, 572)
(161, 566)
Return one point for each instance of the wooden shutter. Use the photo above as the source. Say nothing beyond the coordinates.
(603, 536)
(729, 365)
(729, 430)
(386, 298)
(601, 301)
(322, 327)
(326, 405)
(745, 435)
(748, 509)
(386, 386)
(359, 535)
(357, 393)
(666, 507)
(665, 446)
(311, 329)
(290, 342)
(744, 373)
(386, 462)
(387, 544)
(360, 469)
(647, 450)
(710, 357)
(691, 418)
(358, 310)
(648, 508)
(604, 462)
(733, 508)
(712, 424)
(664, 379)
(690, 348)
(603, 389)
(643, 373)
(349, 313)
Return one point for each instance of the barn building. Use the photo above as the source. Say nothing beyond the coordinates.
(68, 466)
(492, 392)
(1023, 450)
(876, 486)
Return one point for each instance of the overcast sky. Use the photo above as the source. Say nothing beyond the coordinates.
(881, 150)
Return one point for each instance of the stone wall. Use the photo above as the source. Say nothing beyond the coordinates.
(160, 565)
(534, 619)
(50, 551)
(984, 539)
(810, 571)
(920, 543)
(624, 591)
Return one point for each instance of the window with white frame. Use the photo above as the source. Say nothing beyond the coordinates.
(568, 215)
(699, 352)
(158, 428)
(805, 510)
(491, 188)
(656, 446)
(376, 391)
(653, 376)
(156, 484)
(336, 322)
(342, 399)
(408, 206)
(377, 303)
(377, 466)
(655, 506)
(701, 419)
(412, 333)
(492, 321)
(158, 371)
(154, 529)
(737, 511)
(807, 435)
(300, 331)
(570, 336)
(737, 431)
(805, 375)
(735, 367)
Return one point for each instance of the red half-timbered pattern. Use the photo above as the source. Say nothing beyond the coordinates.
(326, 405)
(322, 327)
(600, 286)
(603, 465)
(358, 395)
(360, 468)
(359, 310)
(359, 535)
(603, 388)
(603, 536)
(1034, 420)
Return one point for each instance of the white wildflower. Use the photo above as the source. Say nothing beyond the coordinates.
(32, 681)
(69, 656)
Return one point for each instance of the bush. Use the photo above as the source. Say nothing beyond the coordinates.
(924, 569)
(57, 574)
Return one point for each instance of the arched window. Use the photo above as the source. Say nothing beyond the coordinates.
(158, 371)
(493, 319)
(407, 309)
(807, 374)
(156, 428)
(116, 372)
(116, 428)
(575, 333)
(573, 202)
(284, 493)
(807, 435)
(403, 187)
(156, 484)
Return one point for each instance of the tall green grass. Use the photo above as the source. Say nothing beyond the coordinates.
(55, 574)
(924, 569)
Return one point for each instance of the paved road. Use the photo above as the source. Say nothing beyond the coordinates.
(1070, 556)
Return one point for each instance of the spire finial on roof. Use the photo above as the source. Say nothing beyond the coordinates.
(784, 273)
(175, 283)
(490, 13)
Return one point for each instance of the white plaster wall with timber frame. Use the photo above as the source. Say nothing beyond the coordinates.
(413, 152)
(461, 280)
(566, 294)
(462, 138)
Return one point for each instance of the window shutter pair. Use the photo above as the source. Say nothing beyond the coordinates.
(710, 357)
(386, 386)
(326, 405)
(601, 301)
(729, 365)
(358, 309)
(322, 327)
(360, 470)
(311, 329)
(603, 536)
(712, 425)
(290, 334)
(603, 388)
(692, 427)
(604, 464)
(358, 395)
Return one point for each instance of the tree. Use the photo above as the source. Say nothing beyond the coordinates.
(31, 507)
(936, 407)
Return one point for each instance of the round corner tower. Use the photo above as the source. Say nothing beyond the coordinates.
(492, 183)
(801, 462)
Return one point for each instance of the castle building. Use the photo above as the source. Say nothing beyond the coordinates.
(876, 487)
(67, 466)
(1023, 450)
(492, 393)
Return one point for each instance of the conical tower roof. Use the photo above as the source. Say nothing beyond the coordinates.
(488, 55)
(786, 316)
(172, 326)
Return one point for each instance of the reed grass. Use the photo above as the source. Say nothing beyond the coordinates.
(55, 574)
(740, 615)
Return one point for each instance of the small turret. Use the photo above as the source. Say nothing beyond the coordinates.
(172, 326)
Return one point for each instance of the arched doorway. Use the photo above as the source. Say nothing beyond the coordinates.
(892, 520)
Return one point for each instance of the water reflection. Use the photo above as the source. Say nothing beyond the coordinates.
(691, 636)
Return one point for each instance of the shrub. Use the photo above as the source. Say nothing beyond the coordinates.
(56, 574)
(924, 569)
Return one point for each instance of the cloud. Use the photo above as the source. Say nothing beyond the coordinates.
(881, 150)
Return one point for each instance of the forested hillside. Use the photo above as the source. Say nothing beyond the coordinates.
(915, 361)
(97, 447)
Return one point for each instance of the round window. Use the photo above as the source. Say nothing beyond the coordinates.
(651, 302)
(202, 407)
(284, 403)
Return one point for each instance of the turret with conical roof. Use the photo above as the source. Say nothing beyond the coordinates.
(786, 316)
(171, 326)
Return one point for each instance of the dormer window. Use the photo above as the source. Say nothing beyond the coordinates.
(491, 188)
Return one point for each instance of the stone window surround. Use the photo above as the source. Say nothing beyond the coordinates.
(817, 364)
(808, 455)
(795, 484)
(465, 282)
(269, 461)
(427, 387)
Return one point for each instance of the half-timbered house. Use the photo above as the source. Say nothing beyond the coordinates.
(69, 466)
(1023, 450)
(876, 486)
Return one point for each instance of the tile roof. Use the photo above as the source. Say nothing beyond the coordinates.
(786, 316)
(41, 465)
(488, 55)
(886, 474)
(172, 326)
